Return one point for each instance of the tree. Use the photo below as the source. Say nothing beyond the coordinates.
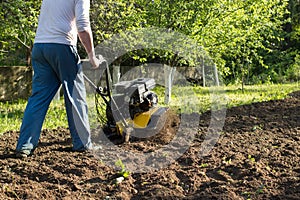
(236, 32)
(18, 24)
(242, 37)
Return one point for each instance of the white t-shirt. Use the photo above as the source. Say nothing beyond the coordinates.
(61, 20)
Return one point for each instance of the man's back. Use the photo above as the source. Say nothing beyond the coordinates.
(60, 19)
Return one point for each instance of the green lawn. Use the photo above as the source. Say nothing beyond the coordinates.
(187, 98)
(11, 115)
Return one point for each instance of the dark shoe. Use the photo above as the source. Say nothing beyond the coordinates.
(22, 154)
(80, 150)
(83, 148)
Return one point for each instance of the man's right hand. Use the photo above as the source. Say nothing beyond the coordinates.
(94, 60)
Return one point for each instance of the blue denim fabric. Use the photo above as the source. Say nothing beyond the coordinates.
(53, 65)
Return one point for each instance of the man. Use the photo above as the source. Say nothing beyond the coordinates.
(56, 62)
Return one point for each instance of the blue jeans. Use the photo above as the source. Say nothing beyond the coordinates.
(53, 65)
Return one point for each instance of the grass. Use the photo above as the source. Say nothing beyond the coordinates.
(189, 99)
(11, 115)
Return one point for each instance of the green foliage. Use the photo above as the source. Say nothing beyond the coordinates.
(112, 17)
(246, 39)
(293, 72)
(123, 172)
(239, 35)
(18, 24)
(251, 158)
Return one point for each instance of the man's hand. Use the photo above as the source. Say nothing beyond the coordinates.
(94, 60)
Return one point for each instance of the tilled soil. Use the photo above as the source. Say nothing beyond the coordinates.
(257, 156)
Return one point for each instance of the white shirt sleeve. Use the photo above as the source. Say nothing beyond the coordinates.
(82, 8)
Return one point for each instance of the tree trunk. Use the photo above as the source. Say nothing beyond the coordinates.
(28, 56)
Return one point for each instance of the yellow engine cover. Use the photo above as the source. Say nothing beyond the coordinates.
(141, 120)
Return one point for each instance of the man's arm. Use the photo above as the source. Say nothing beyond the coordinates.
(84, 30)
(86, 39)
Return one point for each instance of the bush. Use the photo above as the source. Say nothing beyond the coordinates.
(293, 72)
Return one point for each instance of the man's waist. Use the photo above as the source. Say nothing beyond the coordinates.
(55, 37)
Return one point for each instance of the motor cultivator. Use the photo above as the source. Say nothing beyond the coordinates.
(130, 107)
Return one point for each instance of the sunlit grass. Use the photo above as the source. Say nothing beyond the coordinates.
(188, 99)
(200, 99)
(11, 115)
(254, 93)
